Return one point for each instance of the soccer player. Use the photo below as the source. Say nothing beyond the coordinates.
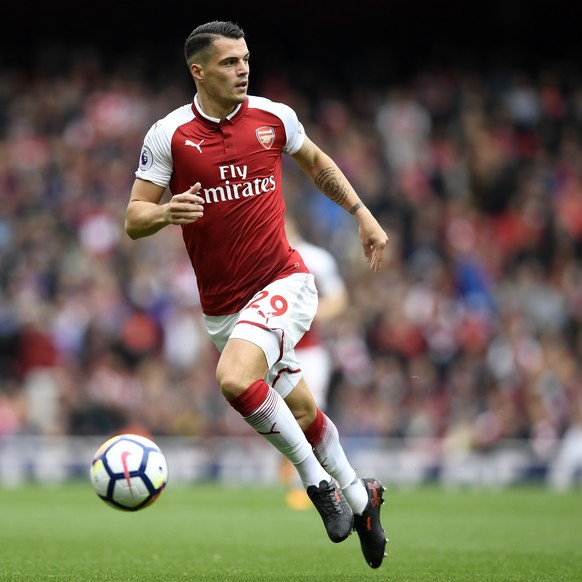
(220, 157)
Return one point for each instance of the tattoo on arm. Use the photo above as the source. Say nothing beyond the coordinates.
(355, 207)
(327, 182)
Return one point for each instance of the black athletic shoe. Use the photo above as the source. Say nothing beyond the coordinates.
(368, 526)
(337, 515)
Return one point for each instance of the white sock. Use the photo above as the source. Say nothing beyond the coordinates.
(311, 472)
(324, 437)
(266, 412)
(331, 455)
(356, 495)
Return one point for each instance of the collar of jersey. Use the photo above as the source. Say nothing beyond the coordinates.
(215, 120)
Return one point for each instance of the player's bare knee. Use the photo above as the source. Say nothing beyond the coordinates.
(232, 385)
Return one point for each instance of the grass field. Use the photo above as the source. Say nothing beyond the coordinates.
(208, 532)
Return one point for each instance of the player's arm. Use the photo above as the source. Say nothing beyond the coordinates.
(145, 215)
(330, 180)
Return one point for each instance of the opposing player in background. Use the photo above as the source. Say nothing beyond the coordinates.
(312, 350)
(220, 157)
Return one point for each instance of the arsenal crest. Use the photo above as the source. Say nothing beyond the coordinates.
(266, 136)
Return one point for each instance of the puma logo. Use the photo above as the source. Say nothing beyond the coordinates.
(194, 145)
(272, 431)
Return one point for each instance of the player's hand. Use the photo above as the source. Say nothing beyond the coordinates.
(374, 241)
(185, 208)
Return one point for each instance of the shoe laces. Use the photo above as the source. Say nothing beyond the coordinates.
(329, 499)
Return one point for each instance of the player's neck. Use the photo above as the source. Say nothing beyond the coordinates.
(213, 109)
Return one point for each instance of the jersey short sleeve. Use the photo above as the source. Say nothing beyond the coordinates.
(155, 160)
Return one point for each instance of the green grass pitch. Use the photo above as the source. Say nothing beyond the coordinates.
(219, 533)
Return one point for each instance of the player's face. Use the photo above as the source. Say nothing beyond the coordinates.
(225, 76)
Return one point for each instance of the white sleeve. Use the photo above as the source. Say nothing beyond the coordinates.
(155, 160)
(295, 132)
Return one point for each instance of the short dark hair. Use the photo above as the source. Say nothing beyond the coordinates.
(202, 36)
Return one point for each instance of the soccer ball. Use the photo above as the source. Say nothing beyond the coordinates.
(129, 472)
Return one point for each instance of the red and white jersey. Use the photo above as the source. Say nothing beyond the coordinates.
(239, 245)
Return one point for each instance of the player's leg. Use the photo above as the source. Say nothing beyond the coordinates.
(316, 367)
(365, 496)
(240, 373)
(251, 343)
(323, 436)
(266, 412)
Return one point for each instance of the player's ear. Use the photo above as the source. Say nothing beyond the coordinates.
(197, 71)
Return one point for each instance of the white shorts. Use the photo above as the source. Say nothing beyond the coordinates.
(275, 320)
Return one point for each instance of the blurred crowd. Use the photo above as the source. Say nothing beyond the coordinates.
(470, 334)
